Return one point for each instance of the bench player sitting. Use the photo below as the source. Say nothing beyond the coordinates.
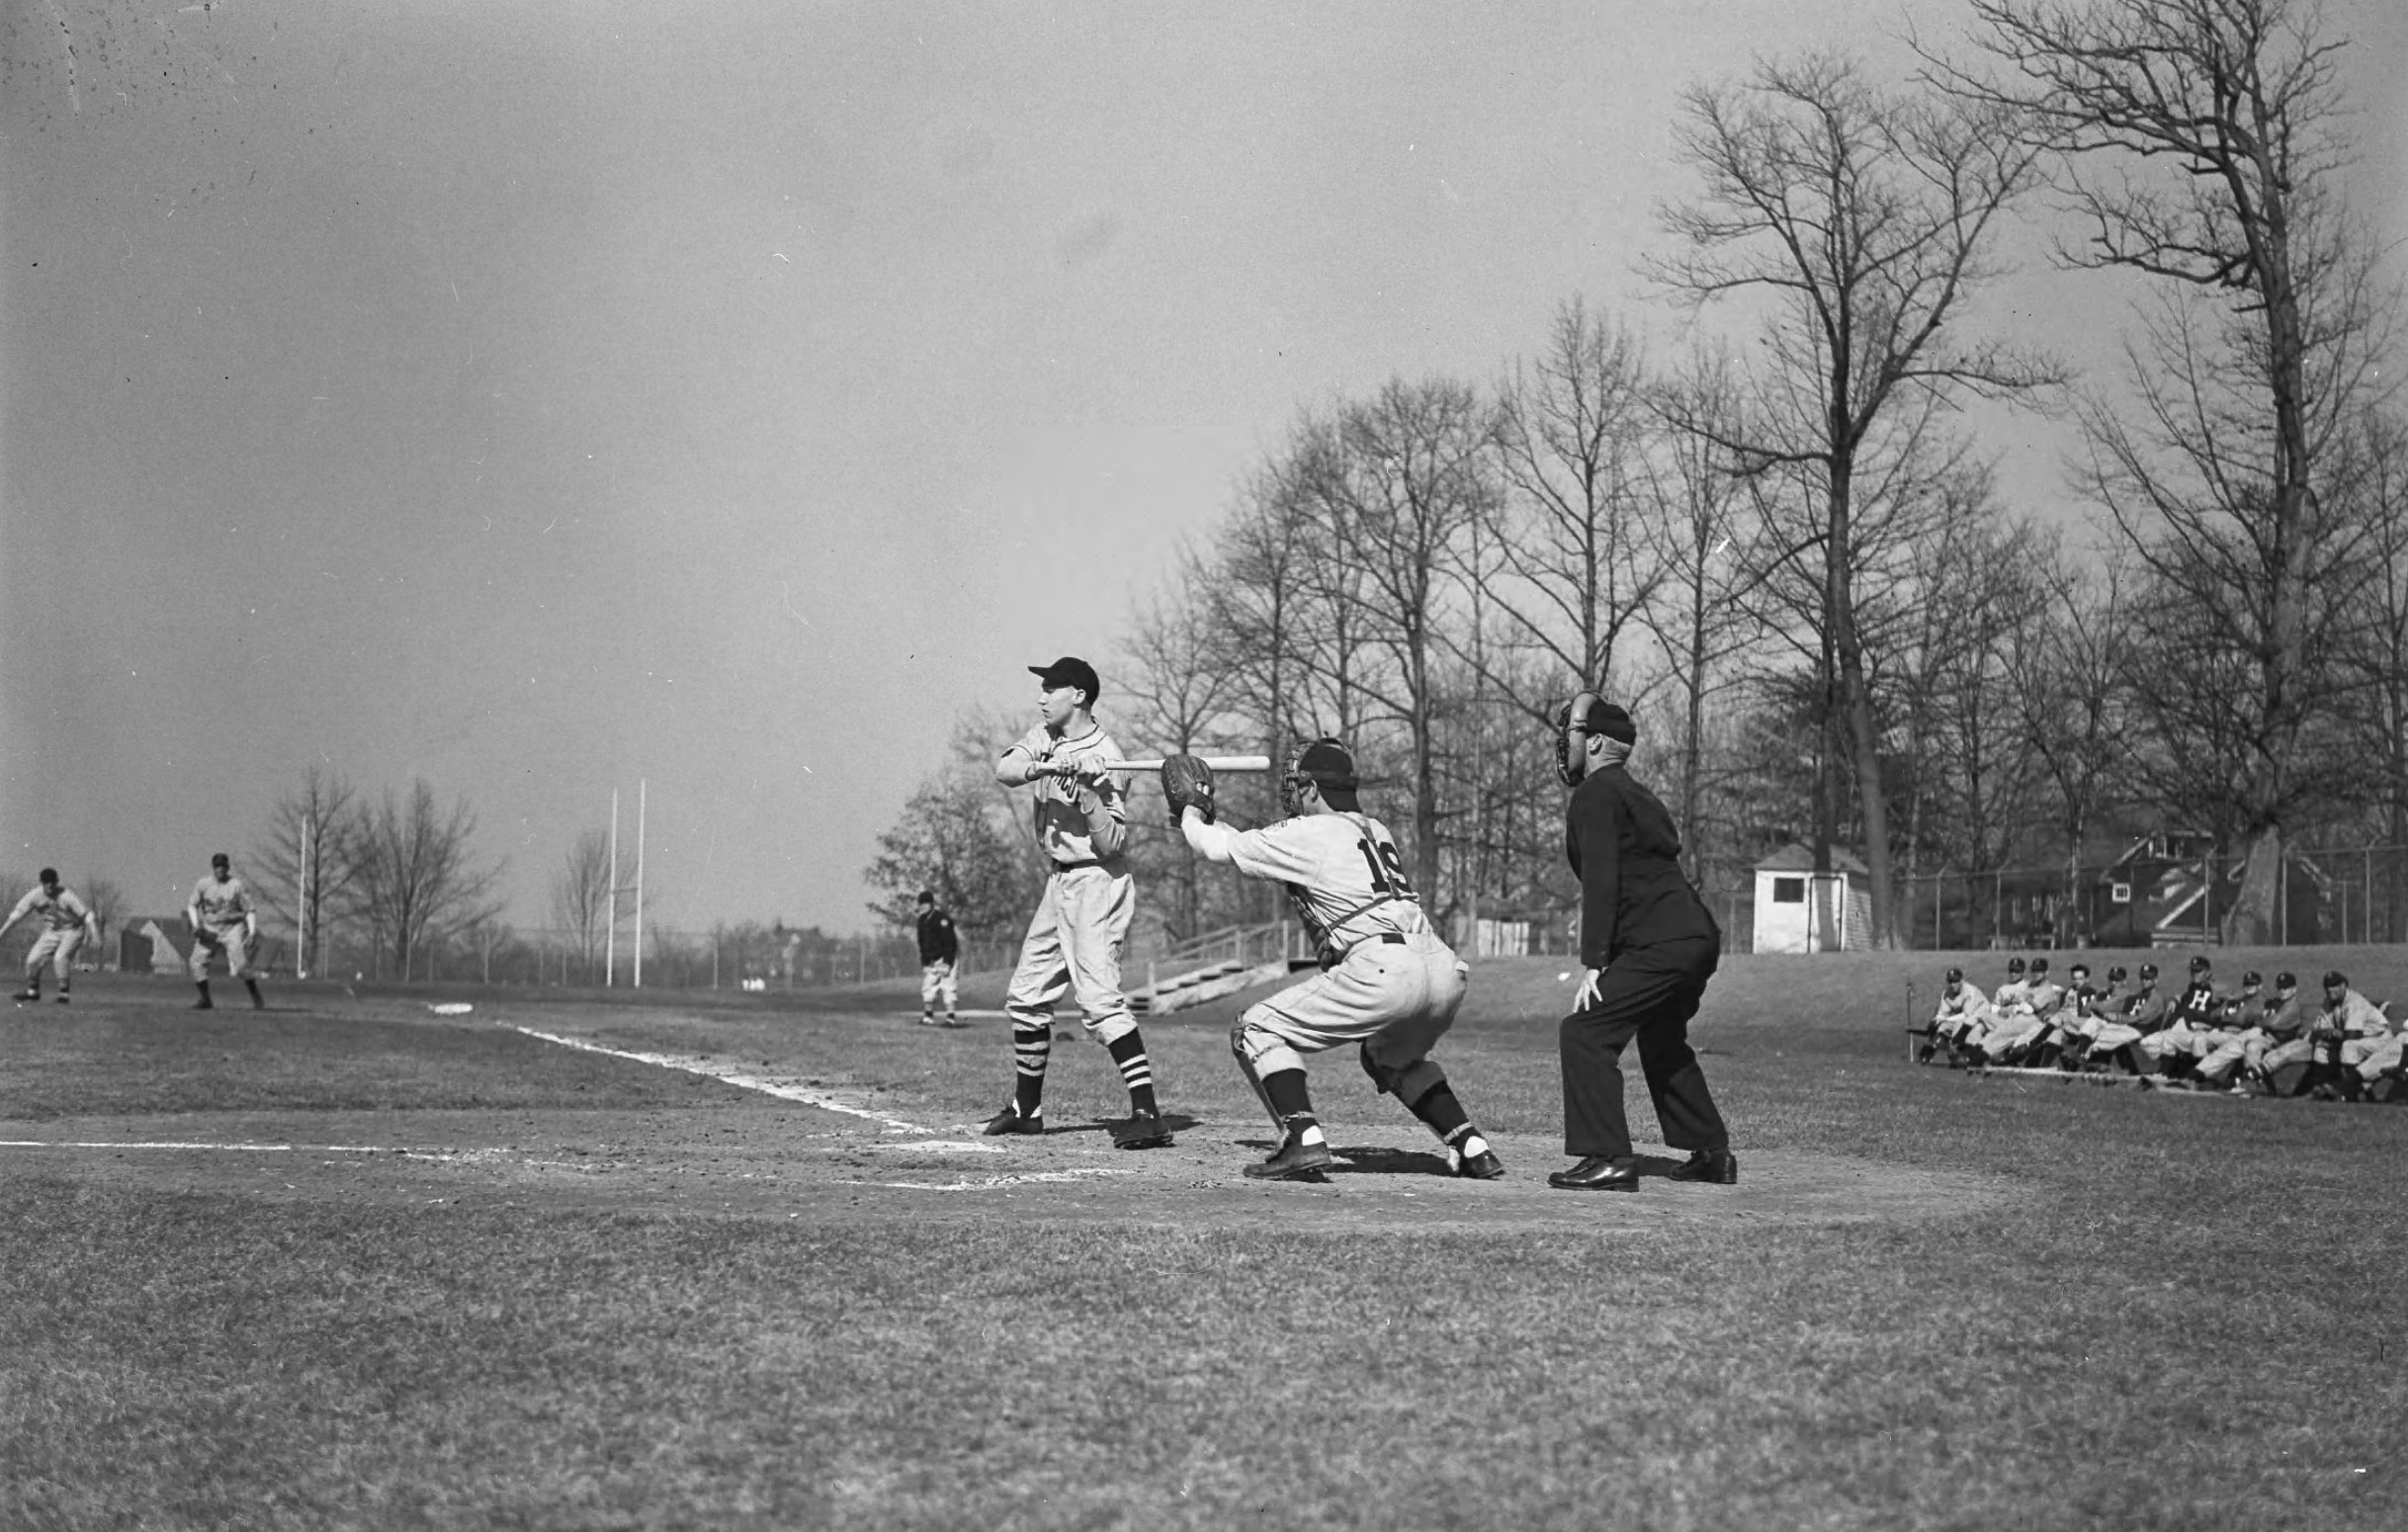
(2241, 1037)
(2178, 1046)
(64, 919)
(2277, 1064)
(1386, 983)
(2352, 1030)
(2096, 1006)
(1964, 1014)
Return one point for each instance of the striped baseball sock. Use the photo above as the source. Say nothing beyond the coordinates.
(1031, 1043)
(1129, 1051)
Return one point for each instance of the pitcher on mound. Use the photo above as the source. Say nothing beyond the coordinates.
(1074, 942)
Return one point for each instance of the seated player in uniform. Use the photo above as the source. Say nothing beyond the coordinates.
(1964, 1014)
(2352, 1031)
(2023, 1023)
(1387, 984)
(2068, 1022)
(2279, 1065)
(2177, 1047)
(2101, 1004)
(2118, 1037)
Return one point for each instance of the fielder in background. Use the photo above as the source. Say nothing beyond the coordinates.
(1074, 942)
(940, 948)
(1650, 944)
(222, 919)
(1386, 983)
(65, 920)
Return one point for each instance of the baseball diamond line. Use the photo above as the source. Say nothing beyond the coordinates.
(246, 1148)
(730, 1076)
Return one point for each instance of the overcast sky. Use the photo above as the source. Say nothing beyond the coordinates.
(537, 397)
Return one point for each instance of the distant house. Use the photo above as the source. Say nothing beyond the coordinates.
(2170, 888)
(1798, 910)
(153, 944)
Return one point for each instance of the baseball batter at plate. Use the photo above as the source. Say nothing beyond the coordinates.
(1075, 939)
(65, 920)
(224, 920)
(1387, 984)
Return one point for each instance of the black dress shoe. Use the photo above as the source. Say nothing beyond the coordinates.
(1599, 1173)
(1718, 1167)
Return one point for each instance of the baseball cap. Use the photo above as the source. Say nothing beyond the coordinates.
(1956, 975)
(2149, 970)
(2251, 981)
(2039, 964)
(1612, 720)
(221, 859)
(1070, 670)
(1327, 762)
(2116, 974)
(2335, 978)
(2015, 964)
(2199, 964)
(48, 875)
(926, 896)
(2286, 981)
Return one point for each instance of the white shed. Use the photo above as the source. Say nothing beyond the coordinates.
(1798, 910)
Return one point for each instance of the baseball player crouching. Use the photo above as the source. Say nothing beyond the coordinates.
(1386, 983)
(1075, 939)
(65, 920)
(224, 920)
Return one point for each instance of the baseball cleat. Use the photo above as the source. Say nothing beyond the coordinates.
(1483, 1167)
(1295, 1162)
(62, 999)
(1009, 1121)
(1143, 1130)
(23, 995)
(955, 1021)
(204, 1005)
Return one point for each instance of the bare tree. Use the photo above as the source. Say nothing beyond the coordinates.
(2197, 142)
(107, 901)
(417, 874)
(2379, 657)
(1861, 218)
(305, 865)
(2072, 673)
(583, 897)
(961, 835)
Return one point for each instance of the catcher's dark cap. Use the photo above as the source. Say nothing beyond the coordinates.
(1612, 720)
(221, 859)
(2286, 981)
(2251, 981)
(2335, 978)
(1956, 975)
(1070, 670)
(2149, 970)
(2015, 964)
(2200, 965)
(2115, 973)
(1327, 762)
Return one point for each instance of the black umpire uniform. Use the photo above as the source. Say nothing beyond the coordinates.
(1657, 944)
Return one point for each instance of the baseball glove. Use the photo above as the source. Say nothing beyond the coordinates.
(1186, 781)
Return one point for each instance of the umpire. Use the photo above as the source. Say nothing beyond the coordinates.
(1648, 944)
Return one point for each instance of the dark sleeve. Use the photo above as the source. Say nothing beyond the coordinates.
(1597, 830)
(949, 944)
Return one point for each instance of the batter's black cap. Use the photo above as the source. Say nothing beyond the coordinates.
(1070, 670)
(2335, 978)
(1956, 975)
(2199, 964)
(2286, 981)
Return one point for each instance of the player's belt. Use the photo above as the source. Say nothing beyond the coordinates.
(1071, 866)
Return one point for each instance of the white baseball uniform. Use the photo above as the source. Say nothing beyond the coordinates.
(1075, 939)
(221, 914)
(63, 919)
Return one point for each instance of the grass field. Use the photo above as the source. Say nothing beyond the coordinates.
(345, 1263)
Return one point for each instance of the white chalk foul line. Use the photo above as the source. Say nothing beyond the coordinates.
(240, 1148)
(783, 1090)
(988, 1183)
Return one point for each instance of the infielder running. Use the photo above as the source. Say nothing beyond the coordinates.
(224, 919)
(65, 920)
(1387, 982)
(1075, 939)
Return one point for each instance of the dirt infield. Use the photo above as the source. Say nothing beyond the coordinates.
(762, 1142)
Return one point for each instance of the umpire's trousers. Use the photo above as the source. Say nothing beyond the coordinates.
(1648, 994)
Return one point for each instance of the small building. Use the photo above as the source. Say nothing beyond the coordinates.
(153, 944)
(1798, 910)
(2173, 888)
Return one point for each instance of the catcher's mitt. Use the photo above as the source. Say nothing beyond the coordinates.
(1186, 779)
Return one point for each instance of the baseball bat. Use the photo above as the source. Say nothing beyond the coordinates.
(1215, 762)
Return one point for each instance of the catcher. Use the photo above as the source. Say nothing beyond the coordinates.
(1387, 982)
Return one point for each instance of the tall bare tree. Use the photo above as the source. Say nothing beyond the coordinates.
(305, 865)
(1861, 218)
(418, 876)
(2198, 142)
(2072, 674)
(582, 896)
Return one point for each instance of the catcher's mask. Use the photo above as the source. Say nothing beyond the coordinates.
(1326, 763)
(1584, 715)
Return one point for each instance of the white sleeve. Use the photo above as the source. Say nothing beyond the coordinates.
(1209, 841)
